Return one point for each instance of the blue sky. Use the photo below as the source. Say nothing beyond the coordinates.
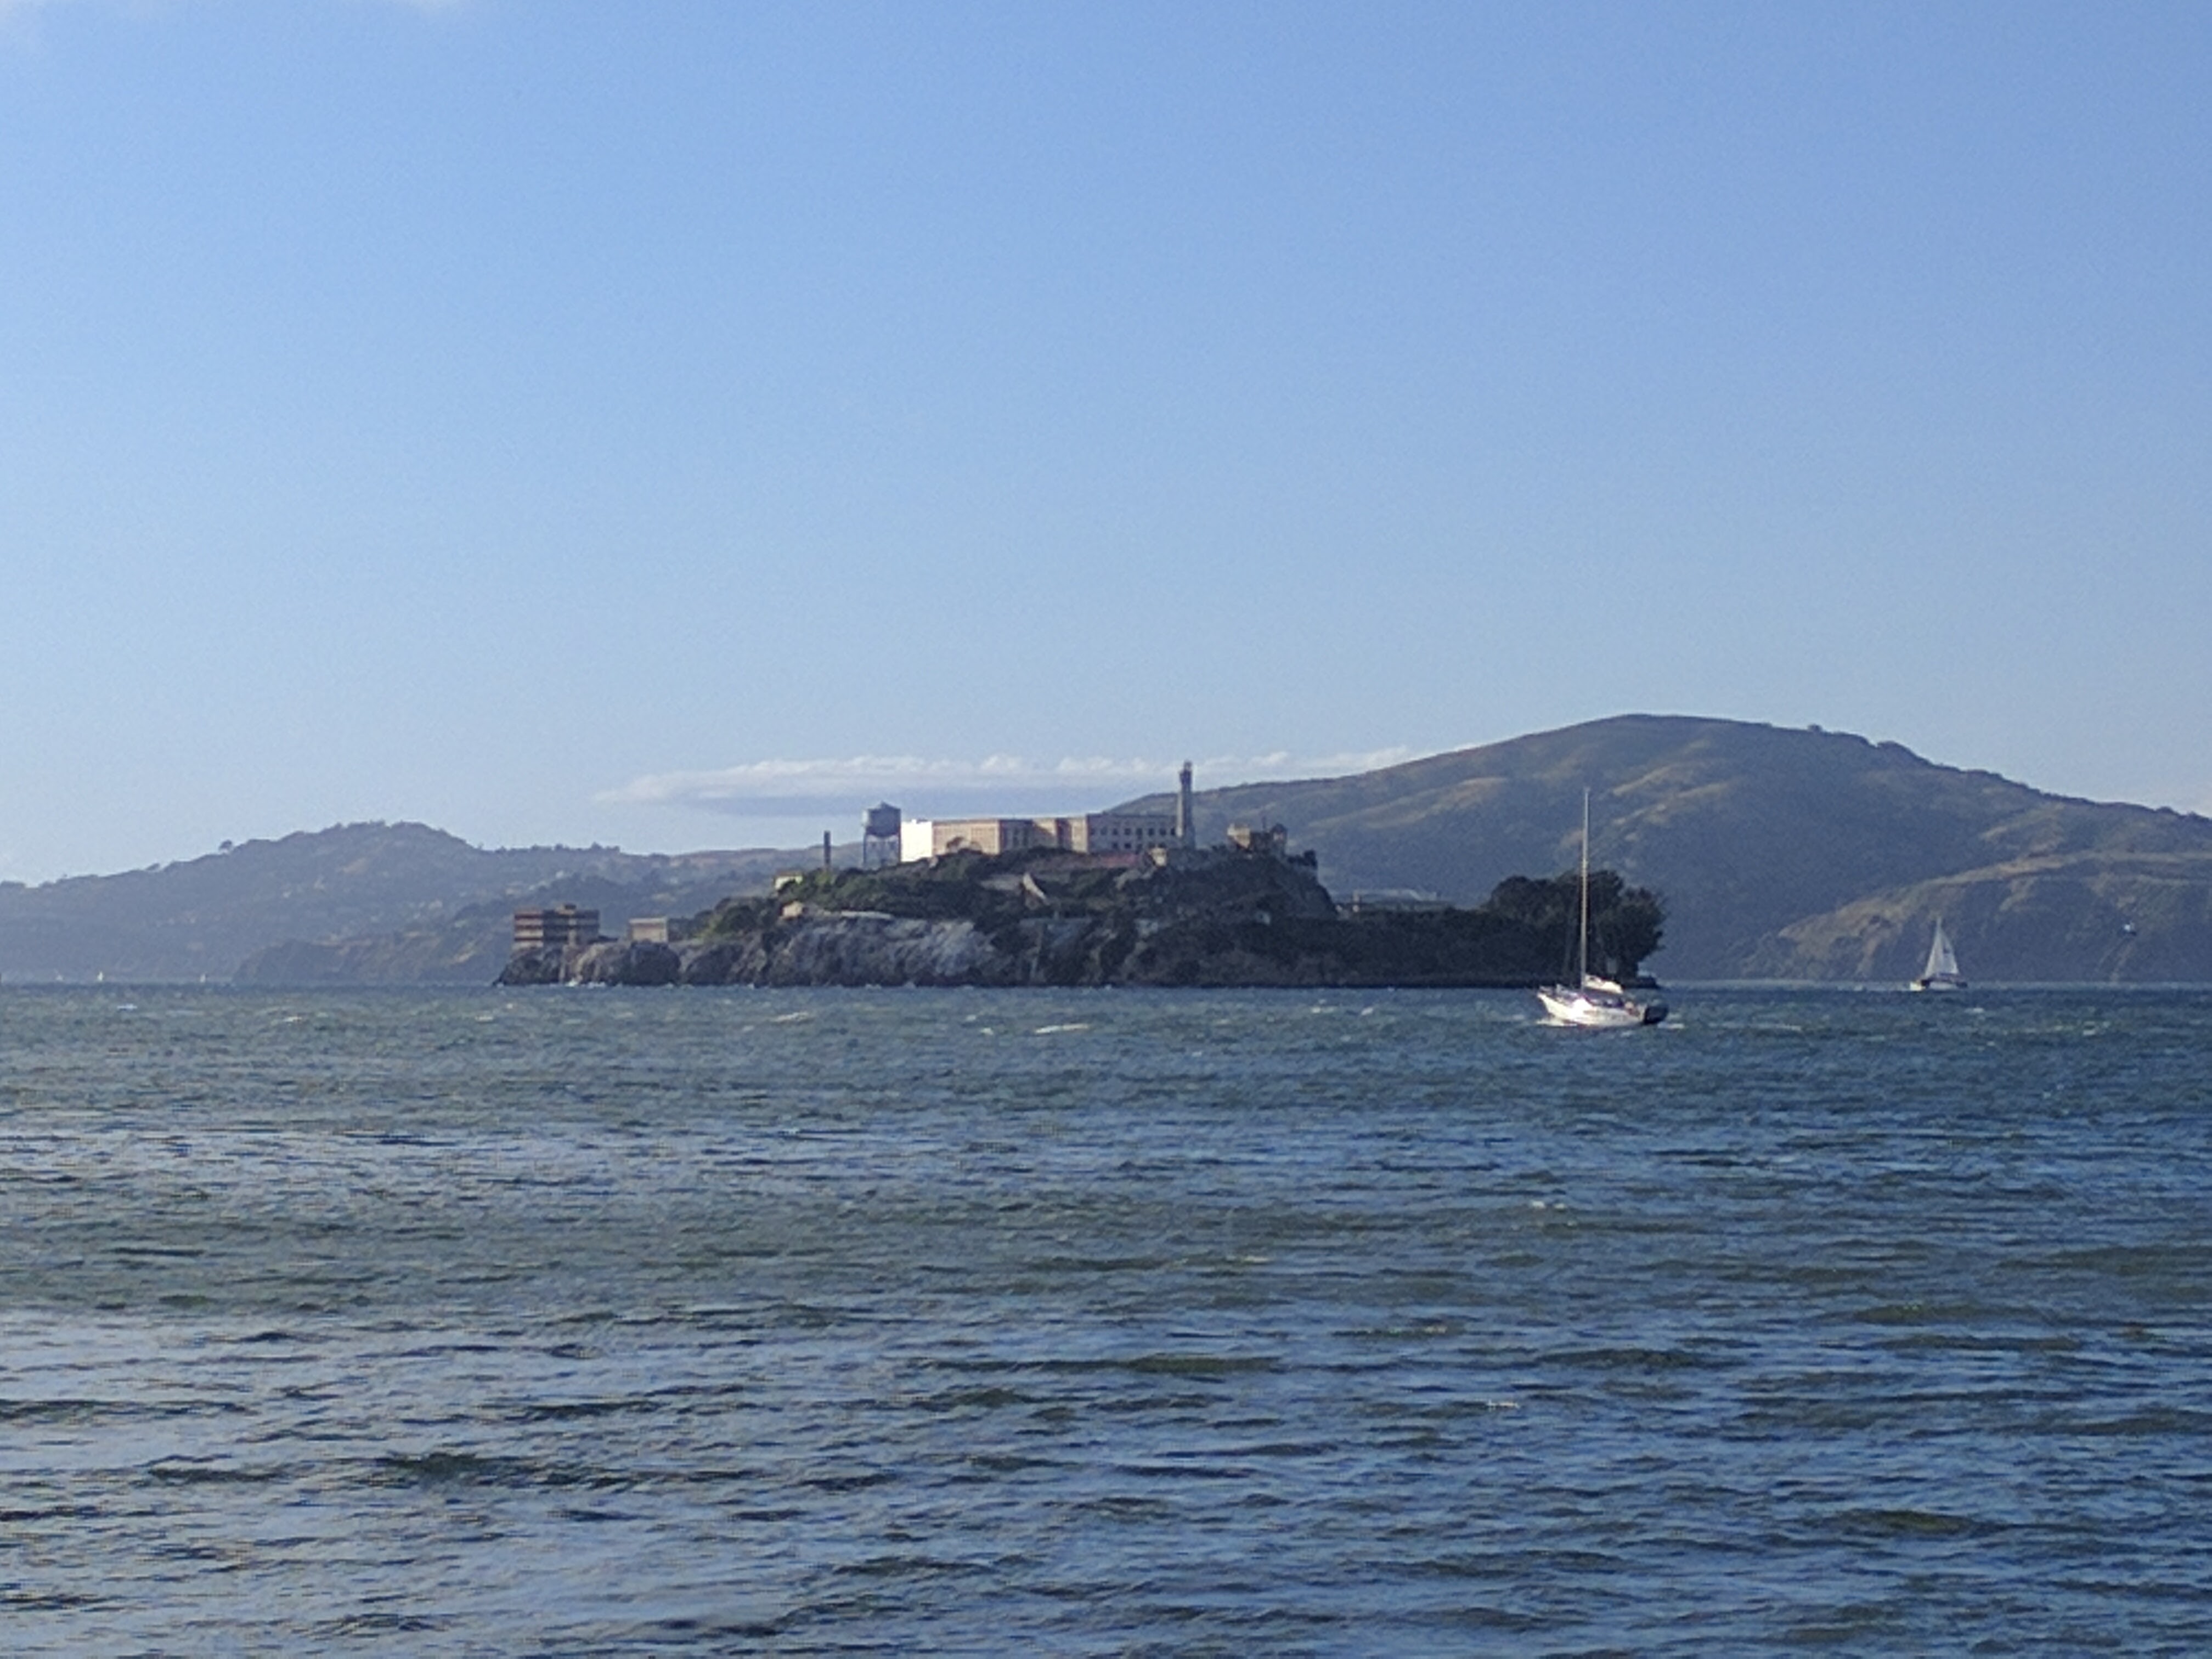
(676, 425)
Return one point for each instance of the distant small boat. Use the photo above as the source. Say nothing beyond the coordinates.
(1941, 973)
(1593, 1003)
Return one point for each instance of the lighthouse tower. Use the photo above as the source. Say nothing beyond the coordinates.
(1186, 821)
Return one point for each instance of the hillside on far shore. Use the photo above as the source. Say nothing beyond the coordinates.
(1780, 853)
(1790, 854)
(358, 902)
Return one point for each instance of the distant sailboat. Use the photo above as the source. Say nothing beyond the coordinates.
(1591, 1002)
(1941, 973)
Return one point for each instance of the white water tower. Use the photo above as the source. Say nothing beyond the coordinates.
(880, 838)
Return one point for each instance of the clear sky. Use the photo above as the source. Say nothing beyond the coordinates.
(677, 424)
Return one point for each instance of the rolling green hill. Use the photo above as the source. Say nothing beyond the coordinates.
(359, 900)
(1780, 853)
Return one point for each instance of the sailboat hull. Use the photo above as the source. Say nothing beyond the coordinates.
(1597, 1011)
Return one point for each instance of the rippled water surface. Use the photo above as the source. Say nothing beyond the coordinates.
(1103, 1323)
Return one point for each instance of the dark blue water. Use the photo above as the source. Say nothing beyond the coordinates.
(1107, 1322)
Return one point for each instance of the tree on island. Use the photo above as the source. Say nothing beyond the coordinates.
(1625, 922)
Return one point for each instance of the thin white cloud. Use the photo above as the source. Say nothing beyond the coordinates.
(772, 788)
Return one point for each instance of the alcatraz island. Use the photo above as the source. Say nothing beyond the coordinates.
(1103, 898)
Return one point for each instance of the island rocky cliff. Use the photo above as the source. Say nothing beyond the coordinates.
(1226, 916)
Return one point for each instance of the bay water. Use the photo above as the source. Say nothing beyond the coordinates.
(1104, 1322)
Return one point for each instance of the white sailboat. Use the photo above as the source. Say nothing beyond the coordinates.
(1593, 1003)
(1941, 973)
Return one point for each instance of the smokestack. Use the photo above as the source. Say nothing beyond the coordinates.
(825, 849)
(1186, 823)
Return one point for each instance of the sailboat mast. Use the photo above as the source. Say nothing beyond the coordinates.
(1581, 952)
